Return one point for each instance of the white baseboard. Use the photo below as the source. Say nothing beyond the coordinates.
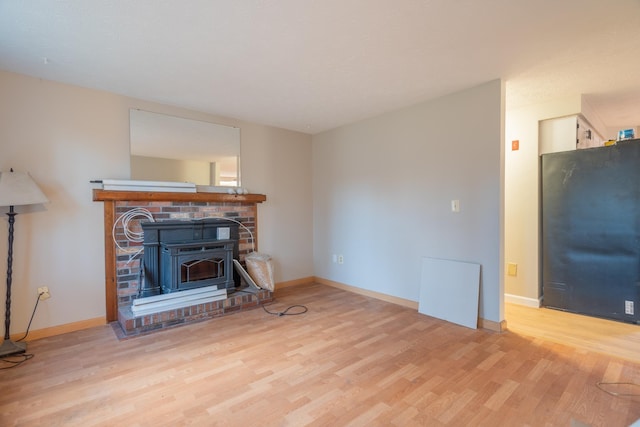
(517, 299)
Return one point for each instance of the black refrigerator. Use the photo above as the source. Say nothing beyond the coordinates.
(590, 249)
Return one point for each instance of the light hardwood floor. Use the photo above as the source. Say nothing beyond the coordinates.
(589, 333)
(350, 360)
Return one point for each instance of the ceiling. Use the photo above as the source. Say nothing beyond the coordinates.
(313, 65)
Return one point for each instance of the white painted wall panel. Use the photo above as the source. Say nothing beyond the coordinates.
(449, 291)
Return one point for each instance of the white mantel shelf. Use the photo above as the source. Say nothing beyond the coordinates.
(109, 195)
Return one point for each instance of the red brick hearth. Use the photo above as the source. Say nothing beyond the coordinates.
(122, 270)
(243, 300)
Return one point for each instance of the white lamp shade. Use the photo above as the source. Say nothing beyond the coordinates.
(18, 188)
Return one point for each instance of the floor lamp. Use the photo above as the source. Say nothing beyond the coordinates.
(16, 189)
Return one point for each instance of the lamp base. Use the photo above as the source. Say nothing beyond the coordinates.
(9, 348)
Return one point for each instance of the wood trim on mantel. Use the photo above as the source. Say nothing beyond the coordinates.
(147, 196)
(111, 197)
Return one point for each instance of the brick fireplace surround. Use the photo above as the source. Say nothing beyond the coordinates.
(122, 274)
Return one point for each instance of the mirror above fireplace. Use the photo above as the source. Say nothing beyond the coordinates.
(168, 148)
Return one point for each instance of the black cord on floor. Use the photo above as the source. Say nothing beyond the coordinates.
(286, 312)
(21, 359)
(18, 359)
(277, 313)
(602, 386)
(31, 320)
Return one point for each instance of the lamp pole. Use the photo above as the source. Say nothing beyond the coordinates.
(16, 189)
(9, 347)
(7, 316)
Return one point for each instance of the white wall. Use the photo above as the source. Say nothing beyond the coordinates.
(65, 136)
(382, 191)
(522, 193)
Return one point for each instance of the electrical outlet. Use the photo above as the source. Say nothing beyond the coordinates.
(628, 307)
(340, 259)
(43, 293)
(512, 269)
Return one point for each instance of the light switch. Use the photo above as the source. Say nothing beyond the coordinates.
(455, 206)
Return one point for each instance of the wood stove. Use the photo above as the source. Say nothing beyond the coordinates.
(181, 255)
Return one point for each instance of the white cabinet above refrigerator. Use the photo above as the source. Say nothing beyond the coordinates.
(566, 134)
